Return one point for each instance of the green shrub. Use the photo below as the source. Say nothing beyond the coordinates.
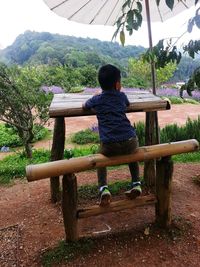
(76, 89)
(170, 133)
(85, 137)
(140, 131)
(13, 166)
(10, 138)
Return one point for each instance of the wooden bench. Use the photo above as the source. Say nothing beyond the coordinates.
(67, 168)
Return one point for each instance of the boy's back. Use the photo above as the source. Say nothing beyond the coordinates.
(110, 107)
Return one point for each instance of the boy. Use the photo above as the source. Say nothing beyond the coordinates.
(117, 136)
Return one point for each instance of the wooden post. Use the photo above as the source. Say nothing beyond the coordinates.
(163, 191)
(69, 206)
(150, 139)
(57, 152)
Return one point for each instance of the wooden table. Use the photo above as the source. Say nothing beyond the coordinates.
(70, 105)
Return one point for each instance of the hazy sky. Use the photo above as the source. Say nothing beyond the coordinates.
(17, 16)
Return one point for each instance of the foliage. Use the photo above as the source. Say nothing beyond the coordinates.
(22, 102)
(54, 49)
(139, 74)
(162, 55)
(66, 252)
(14, 166)
(192, 84)
(194, 21)
(10, 138)
(170, 133)
(185, 69)
(89, 76)
(85, 137)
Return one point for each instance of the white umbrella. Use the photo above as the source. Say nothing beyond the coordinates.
(107, 12)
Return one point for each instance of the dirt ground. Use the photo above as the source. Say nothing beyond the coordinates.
(30, 224)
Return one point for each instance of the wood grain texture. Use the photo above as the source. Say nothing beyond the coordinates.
(70, 105)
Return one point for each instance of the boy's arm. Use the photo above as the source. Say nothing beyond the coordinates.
(126, 100)
(84, 107)
(89, 104)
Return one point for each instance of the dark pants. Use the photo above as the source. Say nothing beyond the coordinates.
(116, 149)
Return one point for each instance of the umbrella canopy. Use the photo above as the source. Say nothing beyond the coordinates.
(106, 12)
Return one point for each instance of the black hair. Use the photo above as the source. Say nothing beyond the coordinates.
(108, 76)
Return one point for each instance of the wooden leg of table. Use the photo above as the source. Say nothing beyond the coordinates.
(151, 137)
(57, 152)
(69, 206)
(163, 191)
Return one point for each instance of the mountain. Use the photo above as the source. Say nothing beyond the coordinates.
(46, 48)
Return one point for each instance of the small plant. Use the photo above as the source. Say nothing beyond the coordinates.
(85, 137)
(66, 252)
(76, 89)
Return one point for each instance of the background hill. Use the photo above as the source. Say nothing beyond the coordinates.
(47, 48)
(34, 48)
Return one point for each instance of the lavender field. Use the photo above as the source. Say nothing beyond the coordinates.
(167, 92)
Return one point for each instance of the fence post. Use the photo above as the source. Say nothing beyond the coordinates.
(69, 206)
(164, 168)
(57, 152)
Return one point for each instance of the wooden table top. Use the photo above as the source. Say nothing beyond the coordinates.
(70, 105)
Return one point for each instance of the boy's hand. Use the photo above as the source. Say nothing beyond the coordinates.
(84, 107)
(98, 92)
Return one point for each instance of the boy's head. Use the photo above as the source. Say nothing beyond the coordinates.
(109, 77)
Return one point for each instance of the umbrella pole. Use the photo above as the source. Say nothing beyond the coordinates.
(153, 72)
(151, 129)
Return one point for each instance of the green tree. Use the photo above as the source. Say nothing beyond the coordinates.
(22, 103)
(89, 76)
(139, 74)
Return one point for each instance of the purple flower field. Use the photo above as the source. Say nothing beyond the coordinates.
(168, 92)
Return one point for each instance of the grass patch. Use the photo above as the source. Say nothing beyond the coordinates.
(89, 192)
(187, 157)
(179, 100)
(66, 252)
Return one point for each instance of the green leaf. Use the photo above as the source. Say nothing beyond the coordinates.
(197, 20)
(139, 6)
(190, 25)
(122, 37)
(157, 2)
(170, 3)
(138, 18)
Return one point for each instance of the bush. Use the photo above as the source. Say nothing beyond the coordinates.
(170, 133)
(13, 166)
(10, 138)
(85, 137)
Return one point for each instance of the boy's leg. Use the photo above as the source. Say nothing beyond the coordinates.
(135, 190)
(105, 195)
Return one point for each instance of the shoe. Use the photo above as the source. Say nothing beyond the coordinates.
(105, 197)
(135, 191)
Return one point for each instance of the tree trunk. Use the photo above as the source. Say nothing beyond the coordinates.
(28, 149)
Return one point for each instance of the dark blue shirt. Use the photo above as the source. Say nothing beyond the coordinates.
(110, 107)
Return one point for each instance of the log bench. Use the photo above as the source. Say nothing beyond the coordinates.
(67, 168)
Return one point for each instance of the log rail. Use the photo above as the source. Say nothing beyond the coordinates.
(73, 165)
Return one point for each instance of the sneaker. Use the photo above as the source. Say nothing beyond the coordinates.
(105, 197)
(135, 191)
